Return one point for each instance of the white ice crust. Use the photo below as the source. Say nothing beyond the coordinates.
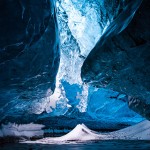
(24, 130)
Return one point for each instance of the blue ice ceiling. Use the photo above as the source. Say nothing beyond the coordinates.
(48, 55)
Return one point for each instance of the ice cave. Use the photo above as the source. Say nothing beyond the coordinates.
(74, 70)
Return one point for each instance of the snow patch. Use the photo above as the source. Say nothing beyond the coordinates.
(24, 130)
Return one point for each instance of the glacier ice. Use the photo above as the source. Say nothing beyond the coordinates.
(81, 24)
(77, 40)
(120, 60)
(29, 54)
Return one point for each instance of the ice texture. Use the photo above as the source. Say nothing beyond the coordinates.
(120, 60)
(29, 55)
(81, 24)
(24, 130)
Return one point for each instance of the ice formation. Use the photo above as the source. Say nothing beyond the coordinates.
(81, 24)
(82, 133)
(120, 60)
(24, 130)
(76, 42)
(29, 55)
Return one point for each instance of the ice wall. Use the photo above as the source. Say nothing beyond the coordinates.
(120, 60)
(81, 24)
(29, 55)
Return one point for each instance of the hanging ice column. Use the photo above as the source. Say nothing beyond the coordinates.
(81, 23)
(80, 29)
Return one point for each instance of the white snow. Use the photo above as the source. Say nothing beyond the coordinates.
(24, 130)
(81, 133)
(139, 131)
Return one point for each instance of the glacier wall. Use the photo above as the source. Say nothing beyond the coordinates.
(29, 55)
(81, 24)
(120, 60)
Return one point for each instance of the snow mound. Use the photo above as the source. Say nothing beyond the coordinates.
(79, 133)
(82, 133)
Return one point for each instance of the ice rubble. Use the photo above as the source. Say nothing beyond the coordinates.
(24, 130)
(82, 133)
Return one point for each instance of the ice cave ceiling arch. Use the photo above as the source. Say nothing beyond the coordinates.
(59, 47)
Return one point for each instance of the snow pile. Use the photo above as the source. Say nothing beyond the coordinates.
(24, 130)
(139, 131)
(80, 133)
